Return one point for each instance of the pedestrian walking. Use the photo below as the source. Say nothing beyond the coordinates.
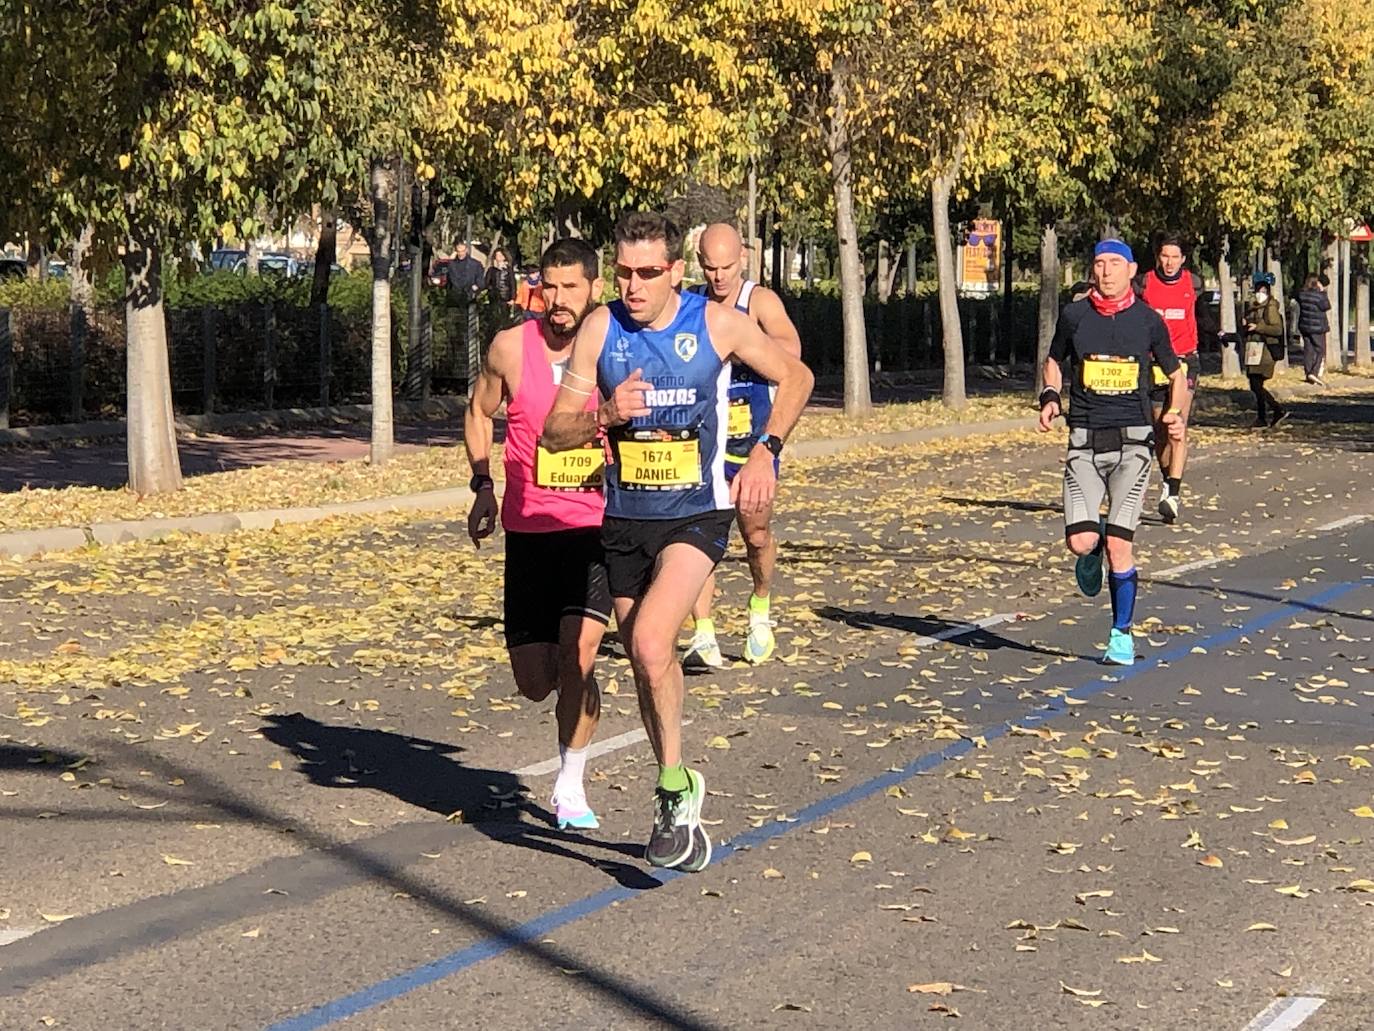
(1263, 348)
(1313, 324)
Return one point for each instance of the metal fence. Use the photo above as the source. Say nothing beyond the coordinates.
(66, 366)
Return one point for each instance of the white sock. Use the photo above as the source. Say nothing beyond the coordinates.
(572, 765)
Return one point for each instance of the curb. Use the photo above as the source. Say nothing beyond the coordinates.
(28, 543)
(190, 425)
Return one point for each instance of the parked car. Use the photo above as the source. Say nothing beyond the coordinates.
(307, 269)
(13, 268)
(229, 260)
(273, 263)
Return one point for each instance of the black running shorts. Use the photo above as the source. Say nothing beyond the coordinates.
(633, 545)
(550, 576)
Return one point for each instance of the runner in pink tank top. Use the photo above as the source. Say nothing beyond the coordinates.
(546, 492)
(557, 600)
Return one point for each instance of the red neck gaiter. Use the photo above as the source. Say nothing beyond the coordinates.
(1111, 306)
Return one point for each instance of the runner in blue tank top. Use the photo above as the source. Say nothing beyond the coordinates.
(721, 252)
(660, 360)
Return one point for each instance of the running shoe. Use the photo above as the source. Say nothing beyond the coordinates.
(1168, 506)
(1277, 418)
(759, 645)
(1120, 648)
(574, 813)
(700, 856)
(703, 651)
(1088, 571)
(677, 818)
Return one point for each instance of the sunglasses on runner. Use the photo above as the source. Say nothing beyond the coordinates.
(644, 272)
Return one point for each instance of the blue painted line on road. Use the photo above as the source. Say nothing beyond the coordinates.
(393, 987)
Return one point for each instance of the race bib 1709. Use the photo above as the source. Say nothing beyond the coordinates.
(582, 468)
(1111, 374)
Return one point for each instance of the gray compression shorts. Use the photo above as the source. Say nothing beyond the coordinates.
(1110, 465)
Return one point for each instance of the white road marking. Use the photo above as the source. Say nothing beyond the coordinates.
(611, 744)
(10, 935)
(1190, 567)
(1341, 524)
(962, 629)
(634, 737)
(1286, 1014)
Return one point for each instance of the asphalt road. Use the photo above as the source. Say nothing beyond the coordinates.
(935, 801)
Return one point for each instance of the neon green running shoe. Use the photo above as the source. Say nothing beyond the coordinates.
(677, 820)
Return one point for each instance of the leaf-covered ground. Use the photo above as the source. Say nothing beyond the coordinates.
(1173, 850)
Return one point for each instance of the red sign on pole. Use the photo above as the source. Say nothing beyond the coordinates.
(1362, 235)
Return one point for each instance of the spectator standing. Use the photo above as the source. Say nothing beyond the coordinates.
(500, 278)
(1313, 324)
(464, 275)
(529, 293)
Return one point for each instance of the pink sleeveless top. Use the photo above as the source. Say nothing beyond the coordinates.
(572, 498)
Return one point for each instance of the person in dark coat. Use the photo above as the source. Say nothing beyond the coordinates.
(464, 275)
(1313, 324)
(500, 281)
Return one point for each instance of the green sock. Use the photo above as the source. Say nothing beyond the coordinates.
(673, 778)
(706, 626)
(757, 604)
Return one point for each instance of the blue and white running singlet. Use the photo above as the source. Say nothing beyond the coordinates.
(669, 464)
(751, 396)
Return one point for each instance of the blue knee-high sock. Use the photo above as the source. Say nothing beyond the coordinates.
(1123, 587)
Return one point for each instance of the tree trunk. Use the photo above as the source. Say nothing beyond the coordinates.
(858, 399)
(1362, 308)
(1335, 346)
(940, 188)
(777, 254)
(1344, 319)
(37, 260)
(1049, 299)
(911, 269)
(383, 188)
(809, 250)
(154, 467)
(1230, 352)
(789, 260)
(79, 273)
(755, 270)
(326, 253)
(1007, 327)
(886, 273)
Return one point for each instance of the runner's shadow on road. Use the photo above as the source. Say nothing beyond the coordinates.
(426, 774)
(928, 626)
(34, 760)
(1016, 506)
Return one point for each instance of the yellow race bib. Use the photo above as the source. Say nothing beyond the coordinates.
(1161, 378)
(741, 420)
(1111, 374)
(582, 468)
(660, 464)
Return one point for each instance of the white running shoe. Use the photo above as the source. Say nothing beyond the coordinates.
(703, 651)
(1168, 506)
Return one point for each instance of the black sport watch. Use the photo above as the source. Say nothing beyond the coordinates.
(481, 481)
(772, 443)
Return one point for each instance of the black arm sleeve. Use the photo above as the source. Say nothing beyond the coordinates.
(1161, 349)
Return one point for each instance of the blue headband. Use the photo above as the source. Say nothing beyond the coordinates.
(1117, 247)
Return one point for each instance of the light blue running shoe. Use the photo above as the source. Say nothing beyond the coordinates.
(1120, 648)
(574, 813)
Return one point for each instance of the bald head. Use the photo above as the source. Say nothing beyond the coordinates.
(721, 253)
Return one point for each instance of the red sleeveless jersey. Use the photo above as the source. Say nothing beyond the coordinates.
(1177, 305)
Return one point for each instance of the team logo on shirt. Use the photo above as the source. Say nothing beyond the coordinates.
(620, 350)
(685, 345)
